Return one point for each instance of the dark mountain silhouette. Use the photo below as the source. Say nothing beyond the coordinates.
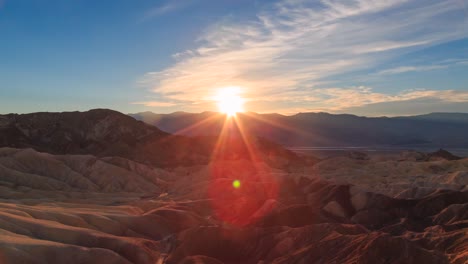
(103, 132)
(97, 131)
(441, 117)
(323, 129)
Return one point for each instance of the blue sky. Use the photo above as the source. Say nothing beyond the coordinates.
(367, 57)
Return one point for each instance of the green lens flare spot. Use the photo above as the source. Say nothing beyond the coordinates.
(236, 184)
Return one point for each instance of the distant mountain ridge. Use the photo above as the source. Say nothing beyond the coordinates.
(323, 129)
(442, 117)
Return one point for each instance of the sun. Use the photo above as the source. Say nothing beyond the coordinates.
(229, 100)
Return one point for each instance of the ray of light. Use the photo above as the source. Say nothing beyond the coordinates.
(233, 204)
(198, 124)
(276, 125)
(248, 144)
(301, 132)
(221, 141)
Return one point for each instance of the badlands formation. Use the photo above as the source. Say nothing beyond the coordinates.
(71, 197)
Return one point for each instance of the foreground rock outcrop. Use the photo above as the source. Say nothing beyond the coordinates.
(408, 175)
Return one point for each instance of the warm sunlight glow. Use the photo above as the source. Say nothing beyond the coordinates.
(229, 100)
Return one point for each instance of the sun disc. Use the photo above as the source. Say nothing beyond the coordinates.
(229, 101)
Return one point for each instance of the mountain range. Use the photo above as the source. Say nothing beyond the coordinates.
(439, 130)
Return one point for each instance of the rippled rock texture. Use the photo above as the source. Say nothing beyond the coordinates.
(84, 209)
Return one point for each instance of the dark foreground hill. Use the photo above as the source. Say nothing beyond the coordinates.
(322, 129)
(103, 132)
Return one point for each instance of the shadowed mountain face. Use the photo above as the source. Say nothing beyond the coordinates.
(103, 132)
(322, 129)
(97, 131)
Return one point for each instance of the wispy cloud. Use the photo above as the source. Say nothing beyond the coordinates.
(155, 104)
(433, 102)
(340, 99)
(169, 6)
(403, 69)
(292, 46)
(363, 100)
(421, 68)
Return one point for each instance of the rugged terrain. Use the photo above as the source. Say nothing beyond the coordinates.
(94, 206)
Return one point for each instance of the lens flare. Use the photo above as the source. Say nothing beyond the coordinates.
(242, 188)
(236, 184)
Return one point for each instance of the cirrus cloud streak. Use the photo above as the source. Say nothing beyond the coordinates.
(292, 47)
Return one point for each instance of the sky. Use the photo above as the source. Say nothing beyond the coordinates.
(364, 57)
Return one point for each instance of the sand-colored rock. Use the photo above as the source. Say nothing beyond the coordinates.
(395, 177)
(335, 209)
